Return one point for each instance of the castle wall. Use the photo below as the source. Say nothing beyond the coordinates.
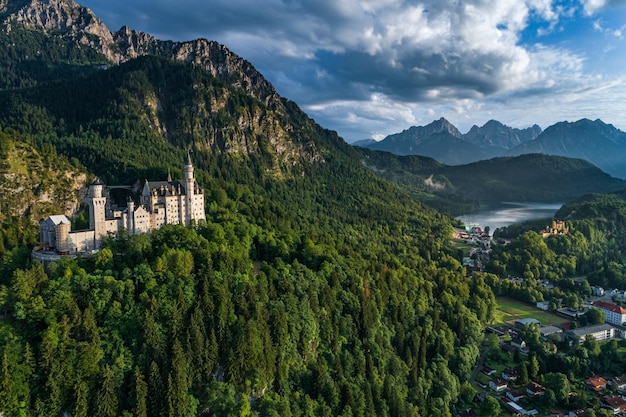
(158, 218)
(141, 221)
(197, 210)
(82, 241)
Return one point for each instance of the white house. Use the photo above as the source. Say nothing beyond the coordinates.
(614, 313)
(600, 332)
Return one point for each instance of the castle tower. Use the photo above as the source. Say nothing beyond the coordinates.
(97, 205)
(62, 231)
(189, 191)
(130, 226)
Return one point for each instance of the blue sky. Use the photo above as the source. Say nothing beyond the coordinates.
(369, 68)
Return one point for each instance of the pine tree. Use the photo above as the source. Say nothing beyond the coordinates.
(106, 402)
(81, 406)
(141, 394)
(156, 393)
(523, 379)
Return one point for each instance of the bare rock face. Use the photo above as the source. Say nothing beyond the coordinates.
(36, 185)
(63, 18)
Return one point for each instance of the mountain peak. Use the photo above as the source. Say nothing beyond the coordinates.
(443, 125)
(498, 135)
(64, 18)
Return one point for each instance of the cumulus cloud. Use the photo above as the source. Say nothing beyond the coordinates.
(593, 6)
(383, 63)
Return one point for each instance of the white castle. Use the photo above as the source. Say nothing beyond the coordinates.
(161, 202)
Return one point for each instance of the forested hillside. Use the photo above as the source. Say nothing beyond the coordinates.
(314, 287)
(460, 189)
(33, 183)
(594, 247)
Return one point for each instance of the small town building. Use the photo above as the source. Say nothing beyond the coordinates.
(488, 370)
(534, 389)
(467, 413)
(510, 374)
(543, 305)
(596, 383)
(619, 382)
(570, 313)
(547, 331)
(600, 332)
(498, 385)
(616, 404)
(516, 395)
(519, 344)
(597, 291)
(521, 323)
(614, 313)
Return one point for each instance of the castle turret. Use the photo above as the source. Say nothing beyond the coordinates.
(97, 207)
(62, 237)
(130, 226)
(189, 191)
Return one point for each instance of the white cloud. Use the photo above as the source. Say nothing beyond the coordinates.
(591, 7)
(378, 66)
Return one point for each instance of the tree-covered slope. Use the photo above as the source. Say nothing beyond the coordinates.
(455, 189)
(33, 183)
(149, 106)
(595, 141)
(314, 288)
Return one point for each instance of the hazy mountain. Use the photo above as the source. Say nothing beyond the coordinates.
(364, 143)
(451, 150)
(408, 141)
(497, 135)
(443, 141)
(595, 141)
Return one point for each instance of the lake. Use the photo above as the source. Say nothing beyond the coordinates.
(507, 213)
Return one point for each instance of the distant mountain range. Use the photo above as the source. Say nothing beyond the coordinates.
(594, 141)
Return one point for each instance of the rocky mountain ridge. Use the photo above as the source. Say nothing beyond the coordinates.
(70, 21)
(444, 142)
(498, 135)
(36, 184)
(46, 29)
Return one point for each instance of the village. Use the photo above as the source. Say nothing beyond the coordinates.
(525, 367)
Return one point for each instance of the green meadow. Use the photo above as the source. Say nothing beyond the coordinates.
(510, 310)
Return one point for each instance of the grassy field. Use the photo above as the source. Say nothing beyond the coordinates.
(510, 310)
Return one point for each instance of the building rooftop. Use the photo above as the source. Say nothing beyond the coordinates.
(583, 331)
(527, 321)
(610, 307)
(59, 219)
(548, 330)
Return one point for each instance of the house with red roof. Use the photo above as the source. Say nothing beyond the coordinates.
(616, 404)
(614, 313)
(596, 383)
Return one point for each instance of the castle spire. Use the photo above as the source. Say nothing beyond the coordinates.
(169, 175)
